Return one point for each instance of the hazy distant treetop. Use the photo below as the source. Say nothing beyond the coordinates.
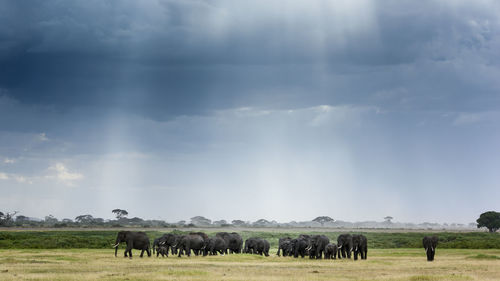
(490, 220)
(238, 222)
(22, 218)
(323, 219)
(262, 222)
(50, 219)
(200, 220)
(119, 213)
(388, 218)
(220, 222)
(84, 218)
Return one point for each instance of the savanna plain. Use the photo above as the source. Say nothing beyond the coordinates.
(382, 264)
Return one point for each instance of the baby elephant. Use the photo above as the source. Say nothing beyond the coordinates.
(430, 244)
(162, 250)
(331, 251)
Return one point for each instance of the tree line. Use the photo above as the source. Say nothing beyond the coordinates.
(489, 220)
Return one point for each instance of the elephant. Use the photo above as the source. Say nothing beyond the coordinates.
(344, 245)
(360, 246)
(168, 241)
(156, 245)
(283, 245)
(134, 240)
(430, 244)
(234, 242)
(317, 245)
(298, 247)
(202, 234)
(331, 251)
(162, 250)
(214, 245)
(305, 236)
(257, 246)
(190, 242)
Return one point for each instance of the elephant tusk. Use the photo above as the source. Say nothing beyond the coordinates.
(161, 243)
(432, 249)
(116, 245)
(340, 246)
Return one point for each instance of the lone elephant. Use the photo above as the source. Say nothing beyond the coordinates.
(430, 244)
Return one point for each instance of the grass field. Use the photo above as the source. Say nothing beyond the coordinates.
(382, 264)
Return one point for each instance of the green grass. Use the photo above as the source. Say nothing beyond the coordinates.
(379, 240)
(484, 257)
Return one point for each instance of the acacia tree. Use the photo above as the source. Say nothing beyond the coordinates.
(388, 219)
(119, 213)
(490, 220)
(200, 220)
(238, 222)
(85, 219)
(6, 219)
(323, 219)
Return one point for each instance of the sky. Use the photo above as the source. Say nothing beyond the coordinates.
(282, 110)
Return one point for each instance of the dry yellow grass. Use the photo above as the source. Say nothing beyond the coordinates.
(382, 264)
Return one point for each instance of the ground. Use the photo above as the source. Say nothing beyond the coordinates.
(382, 264)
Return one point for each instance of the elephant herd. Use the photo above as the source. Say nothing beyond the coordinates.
(314, 246)
(319, 246)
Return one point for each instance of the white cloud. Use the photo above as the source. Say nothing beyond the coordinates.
(42, 137)
(9, 161)
(17, 178)
(22, 179)
(475, 117)
(62, 174)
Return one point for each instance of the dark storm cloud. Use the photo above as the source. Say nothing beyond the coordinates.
(168, 58)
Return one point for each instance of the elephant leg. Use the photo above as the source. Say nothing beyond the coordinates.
(142, 253)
